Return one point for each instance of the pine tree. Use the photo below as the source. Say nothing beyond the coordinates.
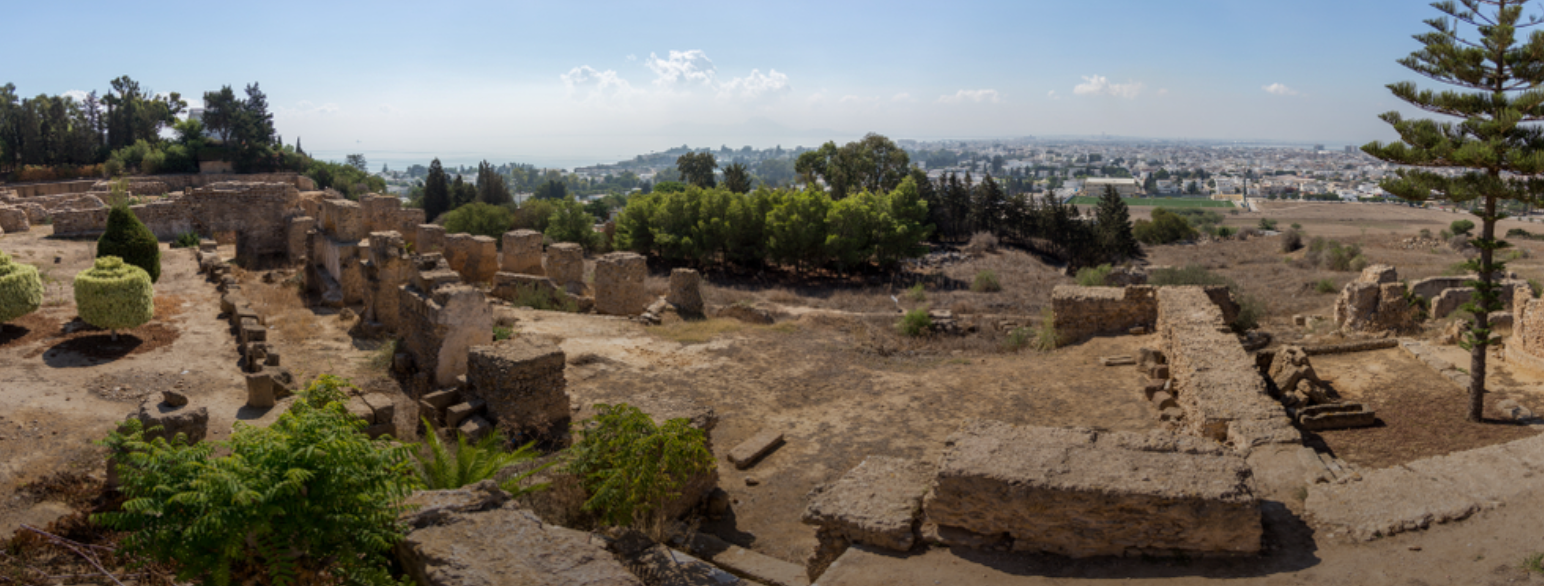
(1489, 154)
(436, 192)
(490, 186)
(1113, 227)
(990, 206)
(129, 239)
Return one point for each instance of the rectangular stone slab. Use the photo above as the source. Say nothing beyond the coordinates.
(753, 450)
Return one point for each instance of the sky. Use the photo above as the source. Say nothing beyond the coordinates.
(574, 83)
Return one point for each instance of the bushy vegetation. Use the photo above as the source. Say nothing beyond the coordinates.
(439, 468)
(536, 297)
(986, 282)
(131, 240)
(114, 295)
(1461, 227)
(803, 229)
(1165, 227)
(1291, 240)
(1094, 276)
(308, 497)
(631, 468)
(478, 219)
(1267, 224)
(1324, 286)
(186, 240)
(569, 222)
(1331, 254)
(1046, 339)
(1250, 308)
(916, 293)
(915, 323)
(21, 289)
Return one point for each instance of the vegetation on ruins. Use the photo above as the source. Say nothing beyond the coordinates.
(188, 239)
(114, 295)
(131, 240)
(1250, 308)
(631, 467)
(569, 222)
(298, 501)
(479, 219)
(1494, 146)
(1094, 276)
(21, 289)
(915, 323)
(440, 468)
(1046, 339)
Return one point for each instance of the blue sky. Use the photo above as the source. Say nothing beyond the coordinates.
(574, 82)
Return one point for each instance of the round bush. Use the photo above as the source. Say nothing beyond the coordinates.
(129, 239)
(114, 295)
(21, 291)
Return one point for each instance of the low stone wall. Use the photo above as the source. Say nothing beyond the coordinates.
(257, 212)
(41, 208)
(384, 213)
(1081, 492)
(1375, 302)
(1431, 287)
(1216, 383)
(173, 183)
(343, 220)
(1082, 312)
(55, 188)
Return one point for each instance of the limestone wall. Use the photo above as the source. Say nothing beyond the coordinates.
(476, 258)
(1082, 312)
(431, 238)
(42, 207)
(1526, 346)
(521, 381)
(1081, 492)
(257, 212)
(55, 188)
(158, 184)
(383, 213)
(1215, 381)
(13, 220)
(441, 323)
(522, 253)
(619, 284)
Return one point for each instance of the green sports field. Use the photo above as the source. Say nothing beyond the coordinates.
(1166, 202)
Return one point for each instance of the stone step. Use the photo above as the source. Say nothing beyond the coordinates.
(754, 449)
(746, 563)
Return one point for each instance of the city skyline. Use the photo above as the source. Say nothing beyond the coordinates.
(603, 81)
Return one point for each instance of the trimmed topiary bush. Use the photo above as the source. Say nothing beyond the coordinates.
(129, 239)
(21, 291)
(114, 295)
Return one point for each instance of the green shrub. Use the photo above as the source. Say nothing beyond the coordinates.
(1358, 263)
(1018, 339)
(916, 293)
(479, 219)
(1324, 286)
(129, 239)
(114, 295)
(439, 469)
(186, 240)
(915, 323)
(309, 493)
(381, 358)
(1224, 232)
(986, 282)
(21, 289)
(1166, 227)
(502, 333)
(1094, 276)
(1461, 227)
(1267, 224)
(1297, 226)
(632, 468)
(570, 223)
(1426, 232)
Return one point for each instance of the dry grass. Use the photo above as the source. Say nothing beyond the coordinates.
(698, 331)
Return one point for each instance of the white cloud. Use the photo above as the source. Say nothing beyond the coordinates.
(1163, 91)
(682, 67)
(306, 107)
(754, 85)
(632, 57)
(902, 97)
(1279, 89)
(971, 96)
(1099, 85)
(79, 95)
(595, 83)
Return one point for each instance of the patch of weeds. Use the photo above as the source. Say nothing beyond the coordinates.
(986, 282)
(1534, 563)
(381, 358)
(1536, 287)
(1324, 286)
(1093, 276)
(537, 298)
(915, 323)
(916, 293)
(1018, 339)
(186, 240)
(1046, 339)
(502, 333)
(698, 331)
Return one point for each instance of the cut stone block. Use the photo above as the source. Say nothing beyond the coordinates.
(1163, 400)
(619, 286)
(459, 412)
(1117, 361)
(761, 568)
(667, 567)
(359, 408)
(475, 428)
(875, 503)
(754, 449)
(505, 545)
(1338, 420)
(260, 391)
(685, 291)
(522, 252)
(521, 381)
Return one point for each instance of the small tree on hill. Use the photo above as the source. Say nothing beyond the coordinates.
(1113, 228)
(737, 178)
(1494, 147)
(21, 291)
(129, 239)
(114, 295)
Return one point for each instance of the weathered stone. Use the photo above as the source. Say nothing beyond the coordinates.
(475, 258)
(1117, 361)
(439, 326)
(193, 423)
(431, 238)
(1348, 416)
(1289, 367)
(663, 566)
(761, 568)
(1374, 302)
(1082, 312)
(521, 380)
(619, 284)
(876, 502)
(522, 252)
(564, 264)
(260, 391)
(174, 398)
(527, 288)
(459, 412)
(1064, 491)
(475, 428)
(685, 291)
(754, 449)
(1163, 400)
(13, 220)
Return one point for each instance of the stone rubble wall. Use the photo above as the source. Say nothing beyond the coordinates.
(441, 320)
(384, 213)
(1526, 346)
(42, 207)
(257, 212)
(1216, 383)
(1083, 312)
(431, 238)
(54, 188)
(521, 381)
(13, 220)
(159, 184)
(1080, 492)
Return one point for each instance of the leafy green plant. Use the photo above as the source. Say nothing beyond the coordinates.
(186, 240)
(129, 239)
(916, 293)
(480, 219)
(1018, 339)
(986, 282)
(310, 493)
(1461, 227)
(502, 333)
(915, 323)
(1267, 224)
(631, 468)
(1224, 232)
(21, 289)
(471, 463)
(569, 222)
(1094, 276)
(1324, 286)
(114, 295)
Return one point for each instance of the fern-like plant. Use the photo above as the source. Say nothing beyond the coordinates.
(438, 468)
(310, 494)
(631, 468)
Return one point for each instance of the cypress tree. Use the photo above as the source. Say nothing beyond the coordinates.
(490, 186)
(436, 192)
(1113, 226)
(1489, 155)
(129, 239)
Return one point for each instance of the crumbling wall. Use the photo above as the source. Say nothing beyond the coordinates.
(13, 220)
(1526, 346)
(521, 382)
(384, 213)
(442, 318)
(619, 284)
(1082, 312)
(1375, 302)
(522, 253)
(1080, 492)
(41, 208)
(386, 269)
(564, 264)
(160, 184)
(258, 213)
(1217, 385)
(476, 258)
(431, 239)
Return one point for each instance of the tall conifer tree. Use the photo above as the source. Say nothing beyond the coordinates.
(1113, 227)
(1492, 152)
(436, 192)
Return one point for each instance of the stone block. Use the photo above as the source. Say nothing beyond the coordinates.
(260, 391)
(475, 428)
(564, 264)
(754, 449)
(439, 400)
(13, 220)
(387, 429)
(359, 408)
(1117, 361)
(761, 568)
(1163, 400)
(1318, 421)
(1071, 492)
(521, 381)
(876, 502)
(685, 291)
(343, 220)
(431, 238)
(522, 252)
(667, 567)
(522, 287)
(459, 412)
(619, 284)
(380, 404)
(455, 548)
(192, 422)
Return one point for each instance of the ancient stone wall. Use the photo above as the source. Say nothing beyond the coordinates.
(384, 213)
(1216, 384)
(386, 269)
(619, 284)
(442, 318)
(521, 381)
(159, 184)
(1431, 287)
(564, 264)
(1375, 301)
(522, 252)
(685, 291)
(40, 208)
(1080, 492)
(431, 238)
(1082, 312)
(1526, 346)
(55, 188)
(257, 212)
(13, 220)
(476, 258)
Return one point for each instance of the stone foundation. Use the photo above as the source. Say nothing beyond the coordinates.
(1082, 312)
(521, 381)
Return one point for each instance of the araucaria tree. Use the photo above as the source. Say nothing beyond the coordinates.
(114, 295)
(1493, 151)
(21, 291)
